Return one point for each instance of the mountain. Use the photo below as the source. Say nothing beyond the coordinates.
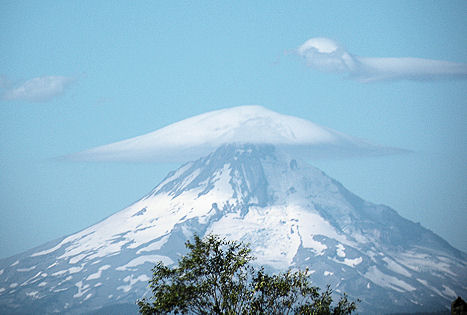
(291, 213)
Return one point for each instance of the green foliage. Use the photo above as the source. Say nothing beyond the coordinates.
(216, 277)
(292, 293)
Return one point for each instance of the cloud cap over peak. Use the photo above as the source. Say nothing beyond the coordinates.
(327, 55)
(194, 137)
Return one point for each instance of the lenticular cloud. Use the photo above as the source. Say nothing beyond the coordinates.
(199, 135)
(326, 55)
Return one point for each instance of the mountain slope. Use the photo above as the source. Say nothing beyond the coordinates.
(292, 214)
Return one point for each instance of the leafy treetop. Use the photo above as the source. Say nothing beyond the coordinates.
(216, 277)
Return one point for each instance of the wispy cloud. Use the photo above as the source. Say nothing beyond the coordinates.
(39, 89)
(327, 55)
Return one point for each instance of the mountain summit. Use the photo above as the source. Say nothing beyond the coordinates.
(292, 214)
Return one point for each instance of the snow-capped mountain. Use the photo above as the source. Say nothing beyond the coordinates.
(292, 214)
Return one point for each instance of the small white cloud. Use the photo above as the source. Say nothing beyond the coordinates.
(199, 135)
(326, 55)
(39, 89)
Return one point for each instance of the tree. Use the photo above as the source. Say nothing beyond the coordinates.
(216, 277)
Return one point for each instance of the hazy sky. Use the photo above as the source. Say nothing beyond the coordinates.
(75, 75)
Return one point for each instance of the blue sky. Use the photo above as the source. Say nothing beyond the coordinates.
(116, 70)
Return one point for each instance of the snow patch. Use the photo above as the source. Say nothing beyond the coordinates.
(52, 265)
(340, 251)
(73, 270)
(153, 259)
(51, 250)
(154, 245)
(77, 258)
(393, 266)
(98, 274)
(315, 245)
(26, 269)
(222, 184)
(82, 289)
(66, 279)
(59, 273)
(449, 292)
(60, 290)
(131, 281)
(352, 262)
(33, 294)
(421, 262)
(31, 280)
(424, 282)
(386, 281)
(15, 263)
(311, 225)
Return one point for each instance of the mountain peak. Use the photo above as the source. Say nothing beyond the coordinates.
(236, 166)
